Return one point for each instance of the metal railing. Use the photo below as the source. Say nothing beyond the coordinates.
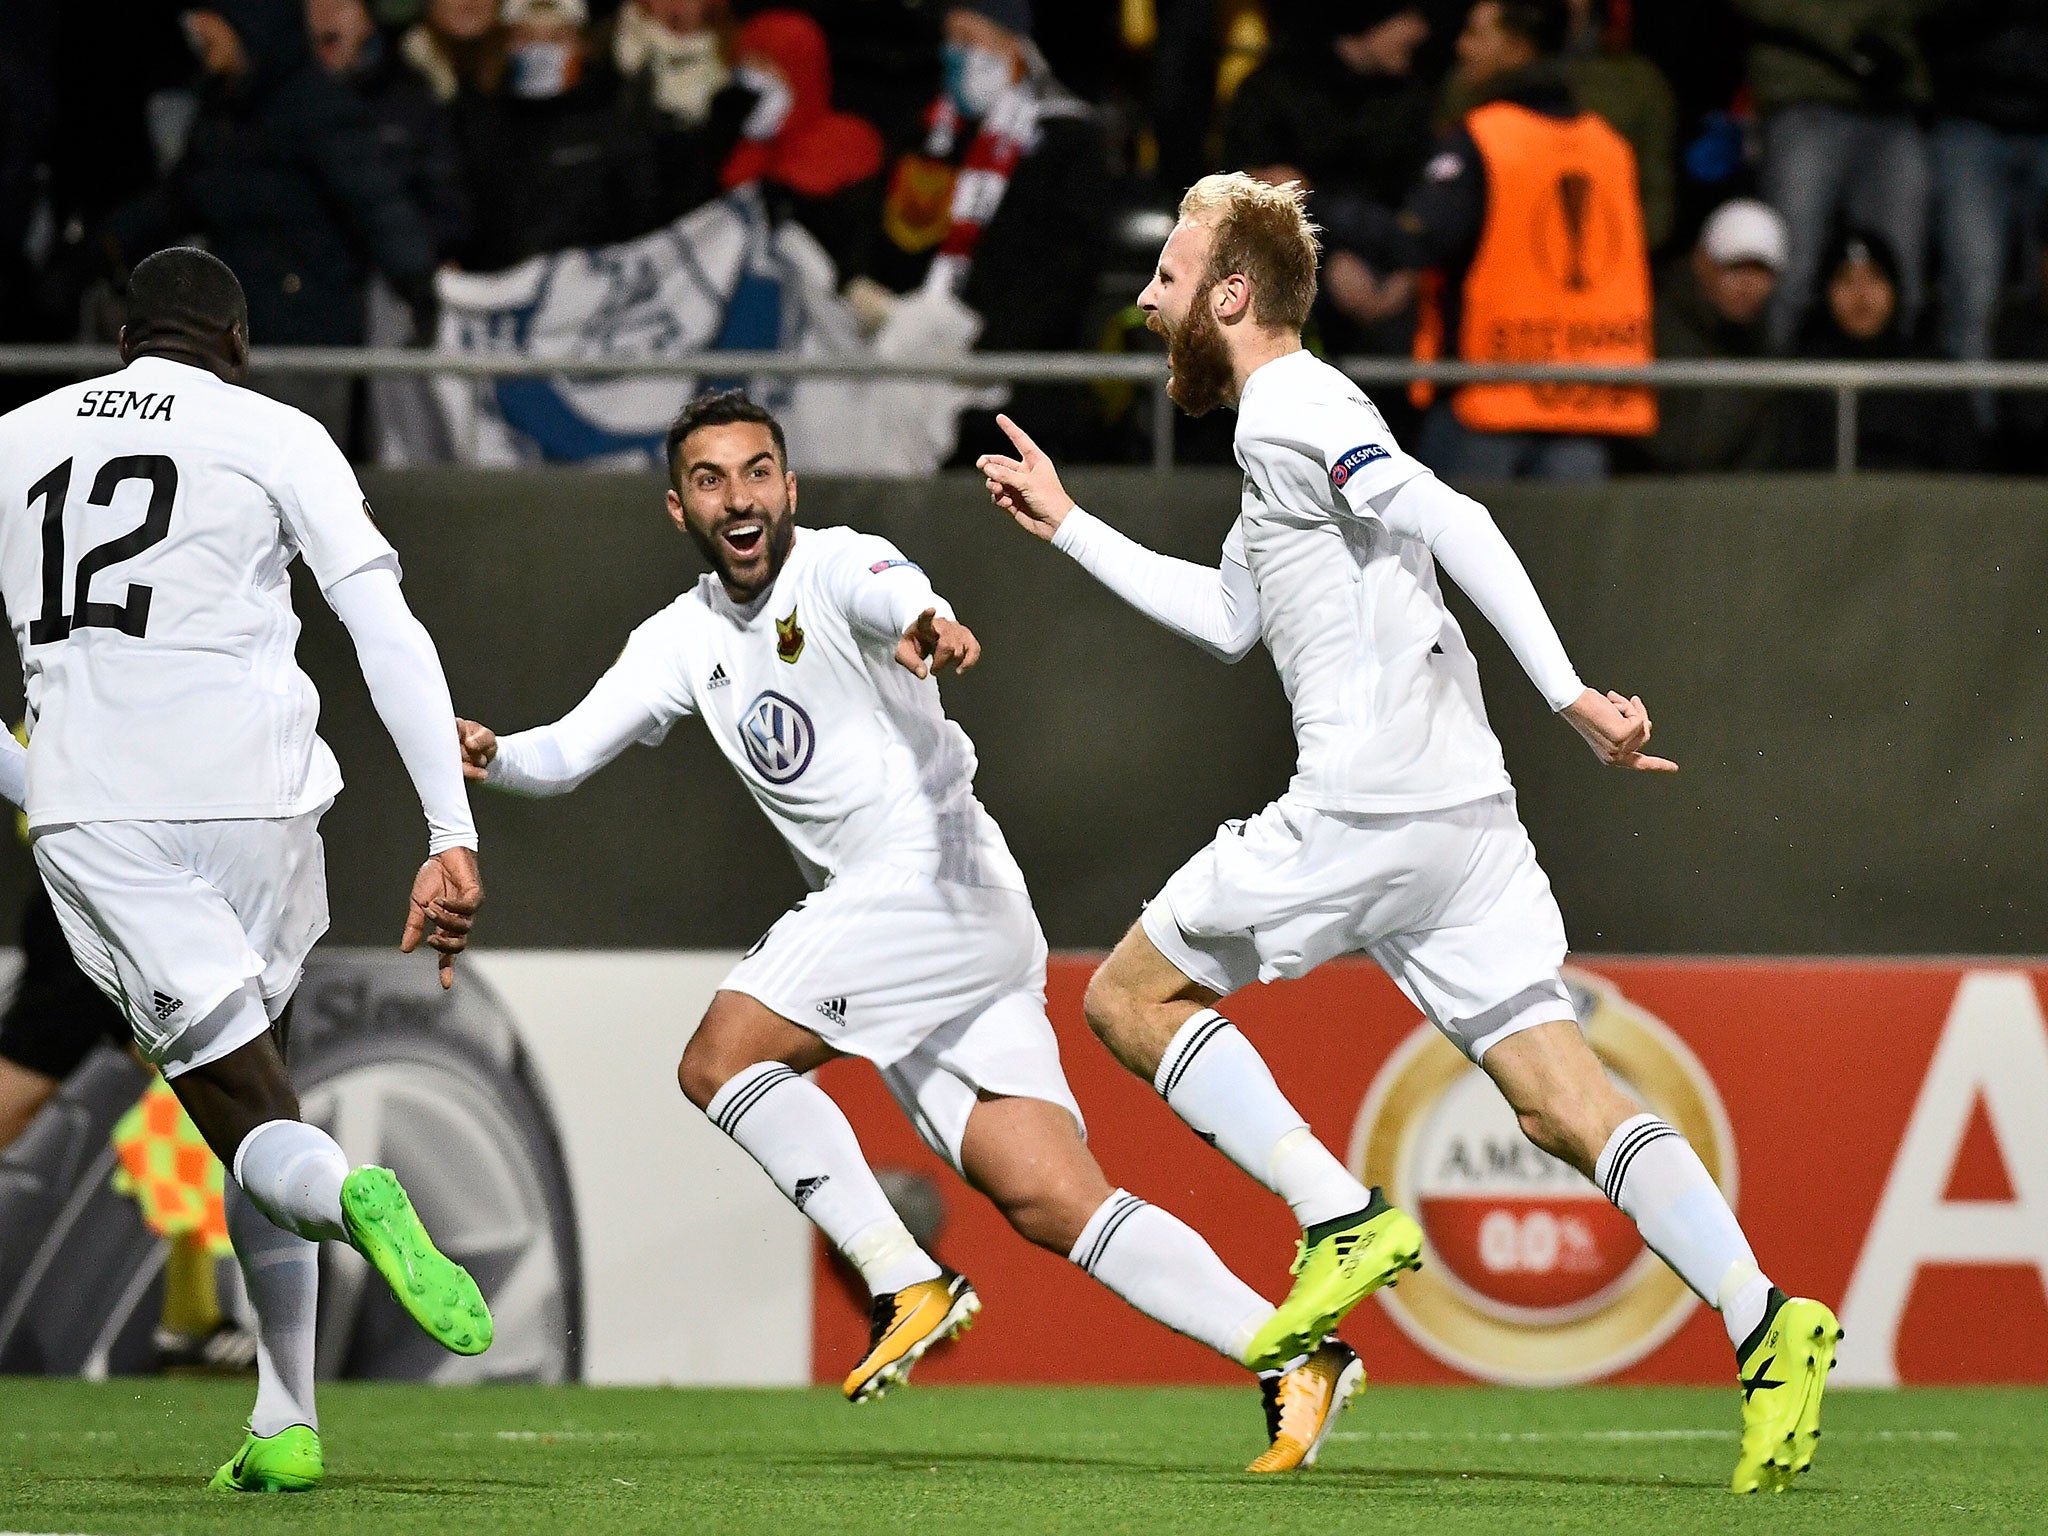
(1846, 381)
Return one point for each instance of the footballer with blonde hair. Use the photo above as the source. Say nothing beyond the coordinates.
(1398, 837)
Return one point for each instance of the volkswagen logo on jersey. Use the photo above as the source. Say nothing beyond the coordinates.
(778, 737)
(1532, 1276)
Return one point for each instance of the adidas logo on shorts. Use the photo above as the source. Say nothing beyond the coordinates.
(166, 1005)
(834, 1010)
(718, 679)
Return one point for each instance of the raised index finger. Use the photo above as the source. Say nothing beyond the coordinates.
(1016, 434)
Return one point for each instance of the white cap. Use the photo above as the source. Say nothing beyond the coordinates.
(574, 12)
(1744, 229)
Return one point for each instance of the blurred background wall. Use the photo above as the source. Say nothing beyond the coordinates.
(1853, 677)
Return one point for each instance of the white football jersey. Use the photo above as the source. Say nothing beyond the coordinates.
(851, 757)
(147, 521)
(1387, 710)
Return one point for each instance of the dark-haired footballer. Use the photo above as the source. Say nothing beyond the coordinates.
(811, 654)
(174, 780)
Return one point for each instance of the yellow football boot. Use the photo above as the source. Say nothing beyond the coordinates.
(1302, 1406)
(1336, 1266)
(1784, 1369)
(905, 1324)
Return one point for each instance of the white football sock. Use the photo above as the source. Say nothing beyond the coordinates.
(791, 1127)
(1161, 1266)
(1214, 1080)
(1651, 1171)
(292, 1173)
(282, 1273)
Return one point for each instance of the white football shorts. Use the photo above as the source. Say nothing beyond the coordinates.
(1451, 904)
(171, 918)
(941, 986)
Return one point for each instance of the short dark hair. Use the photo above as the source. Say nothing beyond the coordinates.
(186, 295)
(1544, 24)
(720, 408)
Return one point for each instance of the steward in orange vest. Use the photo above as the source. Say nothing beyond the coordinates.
(1561, 275)
(1527, 230)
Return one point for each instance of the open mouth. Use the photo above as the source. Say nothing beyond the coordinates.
(744, 539)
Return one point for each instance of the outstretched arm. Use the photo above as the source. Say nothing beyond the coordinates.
(410, 691)
(1217, 608)
(1477, 556)
(554, 759)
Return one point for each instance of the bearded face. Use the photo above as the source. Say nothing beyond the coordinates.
(1197, 361)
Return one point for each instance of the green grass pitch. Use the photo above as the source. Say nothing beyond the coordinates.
(133, 1456)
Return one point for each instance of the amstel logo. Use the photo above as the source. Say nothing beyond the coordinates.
(1530, 1275)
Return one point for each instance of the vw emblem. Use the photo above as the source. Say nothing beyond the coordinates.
(778, 737)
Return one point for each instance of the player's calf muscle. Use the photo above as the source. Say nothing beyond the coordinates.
(1136, 1002)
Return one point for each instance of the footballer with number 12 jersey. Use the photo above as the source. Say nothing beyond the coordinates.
(174, 781)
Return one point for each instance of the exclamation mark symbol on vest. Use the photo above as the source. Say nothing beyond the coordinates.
(1575, 200)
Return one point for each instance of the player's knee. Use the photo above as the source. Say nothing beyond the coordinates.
(1106, 1004)
(701, 1072)
(1045, 1222)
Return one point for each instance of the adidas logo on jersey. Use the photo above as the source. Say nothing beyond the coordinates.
(805, 1188)
(834, 1010)
(718, 679)
(166, 1005)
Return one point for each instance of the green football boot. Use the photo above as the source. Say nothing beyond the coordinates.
(438, 1292)
(1336, 1266)
(1784, 1368)
(286, 1462)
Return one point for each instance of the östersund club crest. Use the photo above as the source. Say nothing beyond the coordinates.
(1532, 1277)
(789, 640)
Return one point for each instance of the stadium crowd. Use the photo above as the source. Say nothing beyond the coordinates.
(1850, 179)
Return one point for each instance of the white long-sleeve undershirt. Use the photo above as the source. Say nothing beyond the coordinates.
(1474, 553)
(408, 687)
(554, 759)
(1217, 608)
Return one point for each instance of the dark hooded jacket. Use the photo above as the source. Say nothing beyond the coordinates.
(1896, 429)
(287, 180)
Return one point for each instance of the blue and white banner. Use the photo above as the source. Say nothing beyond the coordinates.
(721, 277)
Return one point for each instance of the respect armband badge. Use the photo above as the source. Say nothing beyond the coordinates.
(889, 565)
(1355, 460)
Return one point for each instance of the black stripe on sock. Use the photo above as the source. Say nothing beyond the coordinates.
(1202, 1037)
(1123, 1213)
(1618, 1175)
(730, 1117)
(1611, 1185)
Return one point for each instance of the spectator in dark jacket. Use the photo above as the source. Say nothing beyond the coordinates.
(412, 125)
(1859, 319)
(551, 160)
(1990, 146)
(1710, 304)
(1021, 243)
(1840, 86)
(1339, 108)
(286, 179)
(672, 57)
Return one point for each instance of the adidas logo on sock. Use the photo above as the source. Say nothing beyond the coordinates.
(718, 679)
(805, 1188)
(834, 1010)
(166, 1005)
